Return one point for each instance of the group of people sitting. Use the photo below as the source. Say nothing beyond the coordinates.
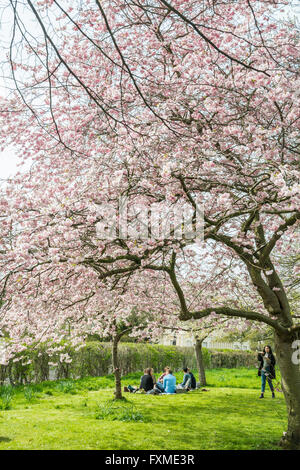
(165, 384)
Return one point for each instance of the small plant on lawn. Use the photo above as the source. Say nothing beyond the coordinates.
(116, 411)
(6, 394)
(29, 394)
(67, 386)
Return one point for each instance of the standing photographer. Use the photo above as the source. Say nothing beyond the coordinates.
(266, 369)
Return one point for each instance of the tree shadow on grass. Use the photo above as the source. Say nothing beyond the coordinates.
(4, 439)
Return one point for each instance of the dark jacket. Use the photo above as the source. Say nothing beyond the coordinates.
(260, 358)
(146, 383)
(193, 381)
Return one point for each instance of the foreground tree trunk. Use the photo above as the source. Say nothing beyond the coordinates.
(116, 368)
(290, 382)
(200, 362)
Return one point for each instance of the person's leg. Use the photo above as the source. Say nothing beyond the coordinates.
(270, 384)
(160, 387)
(263, 384)
(271, 387)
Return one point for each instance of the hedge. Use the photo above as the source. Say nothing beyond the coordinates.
(94, 359)
(231, 359)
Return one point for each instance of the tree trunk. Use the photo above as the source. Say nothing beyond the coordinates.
(200, 362)
(116, 368)
(290, 382)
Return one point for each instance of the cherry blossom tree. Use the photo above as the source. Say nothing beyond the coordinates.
(122, 317)
(182, 101)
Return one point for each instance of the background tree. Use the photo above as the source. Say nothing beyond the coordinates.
(115, 329)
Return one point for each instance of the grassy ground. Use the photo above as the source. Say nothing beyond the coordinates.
(82, 415)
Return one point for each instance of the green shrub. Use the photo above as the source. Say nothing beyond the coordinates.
(230, 359)
(29, 394)
(94, 359)
(66, 386)
(6, 394)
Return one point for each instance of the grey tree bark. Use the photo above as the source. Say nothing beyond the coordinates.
(200, 361)
(290, 382)
(116, 368)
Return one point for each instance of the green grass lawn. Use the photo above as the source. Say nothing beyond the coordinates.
(82, 415)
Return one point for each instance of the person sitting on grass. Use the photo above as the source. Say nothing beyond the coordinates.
(166, 371)
(193, 380)
(146, 384)
(186, 383)
(169, 383)
(146, 381)
(159, 384)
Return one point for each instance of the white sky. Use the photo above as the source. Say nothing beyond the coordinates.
(8, 164)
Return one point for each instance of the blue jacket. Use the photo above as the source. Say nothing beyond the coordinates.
(169, 383)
